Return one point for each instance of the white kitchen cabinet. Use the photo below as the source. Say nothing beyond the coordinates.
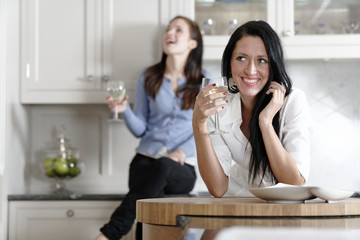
(285, 16)
(58, 220)
(65, 50)
(324, 32)
(70, 48)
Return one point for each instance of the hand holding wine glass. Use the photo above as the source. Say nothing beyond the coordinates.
(221, 86)
(117, 94)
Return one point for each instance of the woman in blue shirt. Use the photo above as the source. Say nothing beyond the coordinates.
(165, 95)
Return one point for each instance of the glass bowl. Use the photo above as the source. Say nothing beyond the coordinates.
(62, 166)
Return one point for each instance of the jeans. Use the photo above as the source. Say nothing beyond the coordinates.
(148, 178)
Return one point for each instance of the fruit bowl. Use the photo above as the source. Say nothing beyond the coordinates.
(61, 165)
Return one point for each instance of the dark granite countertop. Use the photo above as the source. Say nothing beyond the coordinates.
(80, 197)
(43, 197)
(93, 197)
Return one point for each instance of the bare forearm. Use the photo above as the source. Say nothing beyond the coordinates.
(282, 164)
(209, 166)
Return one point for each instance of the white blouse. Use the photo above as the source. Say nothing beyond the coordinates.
(234, 150)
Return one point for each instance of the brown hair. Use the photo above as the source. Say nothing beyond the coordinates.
(154, 74)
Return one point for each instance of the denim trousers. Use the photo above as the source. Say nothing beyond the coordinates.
(148, 178)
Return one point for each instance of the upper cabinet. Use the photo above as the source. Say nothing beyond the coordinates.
(65, 50)
(71, 48)
(321, 29)
(309, 29)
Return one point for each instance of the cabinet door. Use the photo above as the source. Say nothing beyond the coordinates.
(309, 29)
(65, 50)
(320, 29)
(218, 19)
(58, 220)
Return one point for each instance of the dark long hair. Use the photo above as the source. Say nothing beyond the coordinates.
(154, 74)
(259, 162)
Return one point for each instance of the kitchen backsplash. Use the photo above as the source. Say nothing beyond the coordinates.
(333, 93)
(107, 149)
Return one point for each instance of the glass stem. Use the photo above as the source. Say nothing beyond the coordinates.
(217, 127)
(116, 114)
(60, 185)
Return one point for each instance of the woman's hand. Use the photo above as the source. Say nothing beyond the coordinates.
(209, 166)
(282, 164)
(115, 105)
(278, 94)
(101, 237)
(207, 104)
(178, 156)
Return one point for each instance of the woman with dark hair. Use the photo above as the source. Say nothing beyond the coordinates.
(165, 95)
(268, 121)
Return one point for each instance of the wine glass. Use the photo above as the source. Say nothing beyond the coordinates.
(221, 86)
(117, 90)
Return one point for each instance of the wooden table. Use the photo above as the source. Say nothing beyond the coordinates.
(169, 218)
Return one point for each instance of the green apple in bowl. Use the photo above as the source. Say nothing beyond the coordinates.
(71, 159)
(61, 167)
(50, 173)
(74, 171)
(48, 162)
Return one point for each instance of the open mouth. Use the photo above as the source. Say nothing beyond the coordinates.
(250, 81)
(169, 41)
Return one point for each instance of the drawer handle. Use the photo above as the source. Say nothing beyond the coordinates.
(70, 213)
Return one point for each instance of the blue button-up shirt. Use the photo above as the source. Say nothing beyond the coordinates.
(161, 123)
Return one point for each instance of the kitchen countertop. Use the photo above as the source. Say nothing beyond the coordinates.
(80, 197)
(45, 197)
(94, 197)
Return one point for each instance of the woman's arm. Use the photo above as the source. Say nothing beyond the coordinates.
(210, 169)
(283, 165)
(136, 120)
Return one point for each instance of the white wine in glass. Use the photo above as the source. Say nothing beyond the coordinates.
(117, 90)
(221, 86)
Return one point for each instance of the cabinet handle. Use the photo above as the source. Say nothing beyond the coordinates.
(27, 70)
(288, 33)
(90, 78)
(70, 213)
(105, 78)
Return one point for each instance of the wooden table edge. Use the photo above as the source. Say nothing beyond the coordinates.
(163, 211)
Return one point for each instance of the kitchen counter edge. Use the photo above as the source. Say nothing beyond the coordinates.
(50, 197)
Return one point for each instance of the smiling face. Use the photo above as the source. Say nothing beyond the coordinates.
(177, 40)
(250, 66)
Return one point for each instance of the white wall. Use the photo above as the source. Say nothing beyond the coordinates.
(333, 90)
(3, 183)
(17, 127)
(106, 149)
(14, 124)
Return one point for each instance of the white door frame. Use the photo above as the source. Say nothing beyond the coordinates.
(3, 182)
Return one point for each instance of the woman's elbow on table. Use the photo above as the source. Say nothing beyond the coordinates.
(217, 192)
